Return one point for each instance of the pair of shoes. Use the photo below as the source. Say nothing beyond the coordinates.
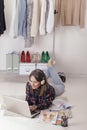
(25, 57)
(36, 58)
(45, 57)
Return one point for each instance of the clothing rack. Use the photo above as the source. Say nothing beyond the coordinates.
(53, 55)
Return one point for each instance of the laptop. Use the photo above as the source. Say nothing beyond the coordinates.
(18, 106)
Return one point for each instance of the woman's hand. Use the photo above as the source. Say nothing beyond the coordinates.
(33, 107)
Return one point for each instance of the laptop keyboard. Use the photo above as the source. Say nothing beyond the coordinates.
(33, 112)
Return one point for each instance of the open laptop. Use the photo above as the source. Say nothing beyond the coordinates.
(18, 106)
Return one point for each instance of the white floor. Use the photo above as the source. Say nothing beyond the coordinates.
(76, 93)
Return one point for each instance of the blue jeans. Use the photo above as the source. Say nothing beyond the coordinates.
(55, 81)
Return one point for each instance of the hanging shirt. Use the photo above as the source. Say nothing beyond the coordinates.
(13, 32)
(42, 18)
(58, 10)
(29, 41)
(22, 30)
(50, 20)
(35, 18)
(2, 17)
(72, 12)
(79, 12)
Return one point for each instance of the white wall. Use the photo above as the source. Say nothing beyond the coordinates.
(70, 45)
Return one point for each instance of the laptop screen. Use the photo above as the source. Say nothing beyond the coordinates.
(18, 106)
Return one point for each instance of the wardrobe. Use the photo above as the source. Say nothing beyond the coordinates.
(69, 37)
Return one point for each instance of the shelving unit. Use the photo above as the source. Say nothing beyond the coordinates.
(12, 62)
(26, 68)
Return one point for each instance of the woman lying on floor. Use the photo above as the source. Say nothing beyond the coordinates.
(40, 93)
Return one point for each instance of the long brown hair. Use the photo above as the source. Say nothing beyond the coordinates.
(40, 77)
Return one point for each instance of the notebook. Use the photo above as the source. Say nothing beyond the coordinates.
(18, 106)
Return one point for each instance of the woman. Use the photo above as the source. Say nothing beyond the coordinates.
(39, 93)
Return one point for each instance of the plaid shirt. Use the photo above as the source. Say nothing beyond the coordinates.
(42, 102)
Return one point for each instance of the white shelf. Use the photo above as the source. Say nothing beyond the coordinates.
(26, 68)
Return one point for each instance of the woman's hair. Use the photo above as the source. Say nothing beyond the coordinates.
(40, 77)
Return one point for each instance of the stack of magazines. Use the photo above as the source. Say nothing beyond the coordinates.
(54, 115)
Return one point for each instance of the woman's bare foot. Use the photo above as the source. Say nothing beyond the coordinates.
(51, 62)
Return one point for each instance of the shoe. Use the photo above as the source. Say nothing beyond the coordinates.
(47, 57)
(22, 56)
(62, 76)
(43, 57)
(28, 57)
(33, 58)
(38, 57)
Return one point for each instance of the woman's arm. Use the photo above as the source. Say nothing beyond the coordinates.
(46, 100)
(28, 97)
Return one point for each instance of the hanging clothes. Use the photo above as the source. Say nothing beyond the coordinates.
(13, 32)
(2, 18)
(66, 12)
(72, 12)
(42, 28)
(50, 20)
(35, 18)
(58, 12)
(22, 20)
(47, 12)
(79, 12)
(44, 17)
(18, 20)
(29, 41)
